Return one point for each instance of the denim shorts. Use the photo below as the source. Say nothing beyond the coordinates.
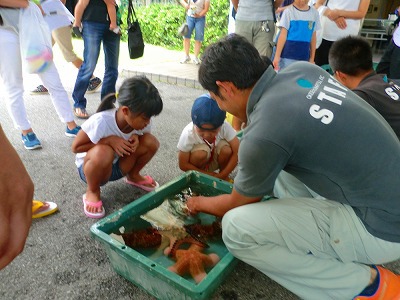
(116, 173)
(198, 24)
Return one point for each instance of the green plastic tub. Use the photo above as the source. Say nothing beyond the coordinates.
(148, 269)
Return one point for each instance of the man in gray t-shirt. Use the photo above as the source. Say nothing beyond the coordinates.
(255, 20)
(333, 161)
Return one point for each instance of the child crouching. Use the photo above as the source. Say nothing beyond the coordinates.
(208, 143)
(116, 142)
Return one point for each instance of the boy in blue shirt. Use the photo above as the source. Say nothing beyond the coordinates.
(297, 37)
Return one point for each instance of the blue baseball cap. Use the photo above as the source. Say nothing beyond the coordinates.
(205, 110)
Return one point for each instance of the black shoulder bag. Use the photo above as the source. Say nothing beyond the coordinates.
(135, 37)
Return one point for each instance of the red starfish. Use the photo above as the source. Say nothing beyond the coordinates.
(193, 261)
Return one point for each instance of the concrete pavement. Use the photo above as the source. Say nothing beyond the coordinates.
(61, 260)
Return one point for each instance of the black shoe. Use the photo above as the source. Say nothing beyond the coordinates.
(94, 84)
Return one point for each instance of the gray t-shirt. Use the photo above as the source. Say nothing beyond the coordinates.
(306, 123)
(255, 10)
(384, 95)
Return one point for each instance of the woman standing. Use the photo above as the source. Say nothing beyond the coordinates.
(339, 18)
(196, 11)
(11, 74)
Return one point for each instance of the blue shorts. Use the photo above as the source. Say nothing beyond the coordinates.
(116, 173)
(198, 24)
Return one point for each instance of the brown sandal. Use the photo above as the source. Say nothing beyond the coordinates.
(81, 113)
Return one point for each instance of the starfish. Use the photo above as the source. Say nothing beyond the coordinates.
(193, 261)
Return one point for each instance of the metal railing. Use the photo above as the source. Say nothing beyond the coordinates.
(376, 29)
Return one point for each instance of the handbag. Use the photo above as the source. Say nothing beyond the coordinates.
(35, 40)
(135, 37)
(184, 28)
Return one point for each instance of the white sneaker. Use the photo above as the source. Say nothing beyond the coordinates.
(196, 61)
(185, 60)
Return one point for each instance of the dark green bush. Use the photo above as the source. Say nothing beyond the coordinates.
(160, 22)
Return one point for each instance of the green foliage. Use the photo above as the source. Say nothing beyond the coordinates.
(160, 22)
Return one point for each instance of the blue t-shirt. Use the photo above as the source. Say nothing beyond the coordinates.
(300, 25)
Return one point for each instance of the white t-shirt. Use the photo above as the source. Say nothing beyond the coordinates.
(196, 7)
(396, 37)
(189, 137)
(104, 124)
(330, 31)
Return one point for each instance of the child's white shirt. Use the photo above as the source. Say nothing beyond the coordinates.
(104, 124)
(189, 137)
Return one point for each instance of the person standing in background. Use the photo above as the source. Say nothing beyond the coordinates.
(297, 36)
(231, 18)
(11, 74)
(390, 60)
(339, 18)
(62, 36)
(196, 11)
(255, 20)
(95, 31)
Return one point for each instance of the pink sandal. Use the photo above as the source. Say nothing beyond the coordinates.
(97, 204)
(144, 184)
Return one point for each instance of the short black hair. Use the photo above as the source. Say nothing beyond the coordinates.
(351, 55)
(232, 59)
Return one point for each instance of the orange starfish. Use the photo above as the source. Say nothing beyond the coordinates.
(193, 261)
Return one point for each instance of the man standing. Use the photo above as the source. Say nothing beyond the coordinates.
(255, 20)
(338, 209)
(95, 30)
(351, 61)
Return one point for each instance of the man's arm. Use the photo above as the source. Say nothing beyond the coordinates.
(218, 205)
(184, 3)
(16, 194)
(277, 3)
(235, 4)
(14, 3)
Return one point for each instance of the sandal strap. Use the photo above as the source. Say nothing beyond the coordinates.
(81, 112)
(36, 204)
